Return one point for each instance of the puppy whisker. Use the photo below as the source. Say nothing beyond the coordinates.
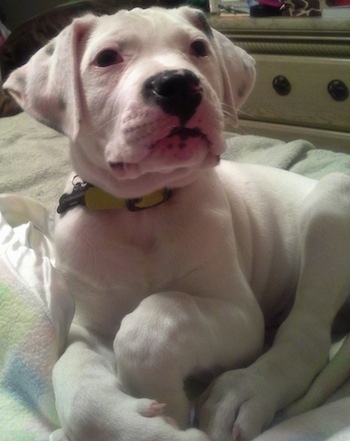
(242, 112)
(229, 112)
(102, 126)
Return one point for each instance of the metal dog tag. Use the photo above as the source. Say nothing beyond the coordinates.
(76, 197)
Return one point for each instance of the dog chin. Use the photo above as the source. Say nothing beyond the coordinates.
(151, 181)
(180, 149)
(173, 161)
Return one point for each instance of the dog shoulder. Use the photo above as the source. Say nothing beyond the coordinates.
(258, 186)
(237, 173)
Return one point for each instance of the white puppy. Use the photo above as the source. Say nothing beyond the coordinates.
(186, 285)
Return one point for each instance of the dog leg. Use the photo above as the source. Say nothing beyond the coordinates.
(241, 403)
(91, 405)
(327, 382)
(172, 335)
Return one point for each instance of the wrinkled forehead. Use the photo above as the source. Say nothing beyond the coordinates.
(148, 28)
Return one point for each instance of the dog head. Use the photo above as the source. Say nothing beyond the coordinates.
(141, 94)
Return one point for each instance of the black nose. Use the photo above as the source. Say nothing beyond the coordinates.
(177, 92)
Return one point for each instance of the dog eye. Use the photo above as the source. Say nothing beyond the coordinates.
(199, 48)
(108, 57)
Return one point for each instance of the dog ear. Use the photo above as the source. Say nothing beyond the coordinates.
(48, 86)
(237, 67)
(197, 18)
(238, 74)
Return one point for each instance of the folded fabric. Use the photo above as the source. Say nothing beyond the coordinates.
(36, 311)
(326, 423)
(35, 304)
(298, 156)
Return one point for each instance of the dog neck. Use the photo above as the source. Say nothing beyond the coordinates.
(95, 199)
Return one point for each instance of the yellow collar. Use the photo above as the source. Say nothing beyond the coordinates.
(96, 199)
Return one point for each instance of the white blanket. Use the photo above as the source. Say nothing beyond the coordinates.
(35, 306)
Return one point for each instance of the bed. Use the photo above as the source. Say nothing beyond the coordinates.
(35, 305)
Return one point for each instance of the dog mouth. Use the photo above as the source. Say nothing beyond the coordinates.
(182, 147)
(184, 133)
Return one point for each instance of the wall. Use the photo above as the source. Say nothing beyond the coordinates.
(18, 11)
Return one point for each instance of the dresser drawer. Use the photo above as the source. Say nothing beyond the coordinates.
(304, 91)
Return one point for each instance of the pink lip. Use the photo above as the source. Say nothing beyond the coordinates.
(184, 133)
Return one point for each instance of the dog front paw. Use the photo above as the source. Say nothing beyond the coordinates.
(235, 407)
(124, 418)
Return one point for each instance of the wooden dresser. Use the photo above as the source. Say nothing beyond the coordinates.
(303, 77)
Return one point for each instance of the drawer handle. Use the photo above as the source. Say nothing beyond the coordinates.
(338, 90)
(281, 85)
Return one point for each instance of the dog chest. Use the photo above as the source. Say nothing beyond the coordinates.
(185, 244)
